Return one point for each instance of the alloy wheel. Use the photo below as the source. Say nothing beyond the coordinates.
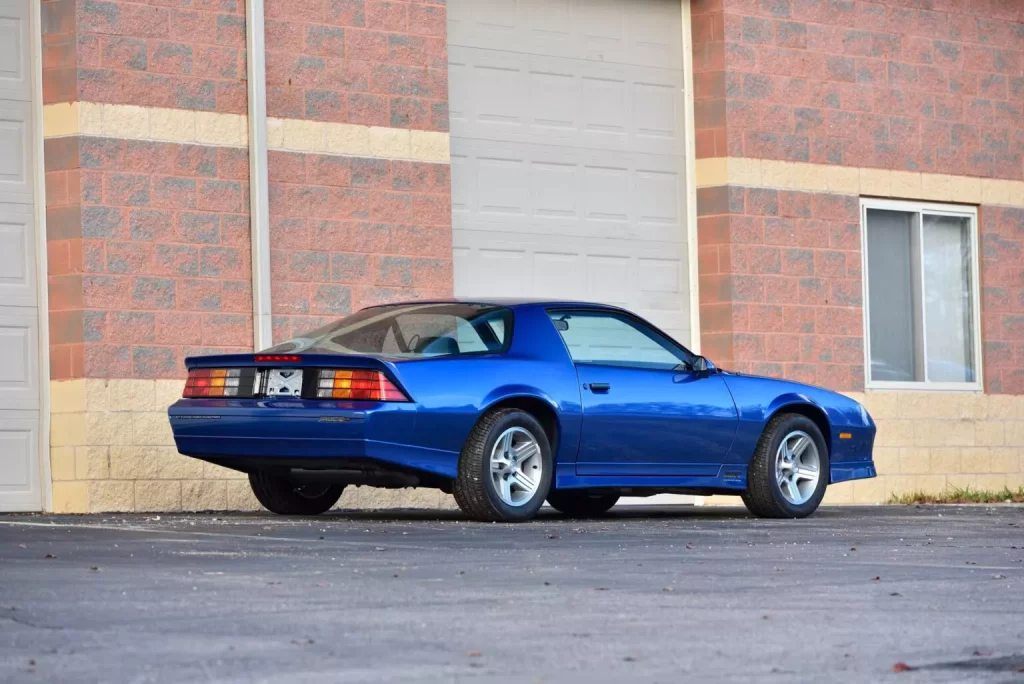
(516, 466)
(797, 467)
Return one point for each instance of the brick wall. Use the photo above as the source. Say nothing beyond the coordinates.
(148, 235)
(349, 231)
(370, 62)
(780, 283)
(932, 93)
(148, 248)
(148, 241)
(1002, 322)
(934, 87)
(149, 55)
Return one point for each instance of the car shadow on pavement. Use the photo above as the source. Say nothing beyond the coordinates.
(545, 515)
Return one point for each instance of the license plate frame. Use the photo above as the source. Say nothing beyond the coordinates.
(284, 382)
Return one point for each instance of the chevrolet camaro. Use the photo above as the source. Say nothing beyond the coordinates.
(508, 404)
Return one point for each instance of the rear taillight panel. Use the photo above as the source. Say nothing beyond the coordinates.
(356, 385)
(317, 383)
(220, 382)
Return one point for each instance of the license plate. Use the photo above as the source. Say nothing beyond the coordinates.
(284, 383)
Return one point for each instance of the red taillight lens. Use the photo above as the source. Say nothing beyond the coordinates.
(357, 385)
(219, 382)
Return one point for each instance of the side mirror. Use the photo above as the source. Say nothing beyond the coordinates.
(702, 365)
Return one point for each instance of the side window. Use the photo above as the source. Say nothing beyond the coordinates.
(594, 337)
(921, 293)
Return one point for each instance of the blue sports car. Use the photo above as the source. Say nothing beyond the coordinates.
(507, 404)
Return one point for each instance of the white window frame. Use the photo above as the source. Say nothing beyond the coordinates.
(957, 211)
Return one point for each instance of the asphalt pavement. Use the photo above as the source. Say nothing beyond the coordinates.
(644, 595)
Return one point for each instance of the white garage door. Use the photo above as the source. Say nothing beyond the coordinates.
(567, 152)
(19, 316)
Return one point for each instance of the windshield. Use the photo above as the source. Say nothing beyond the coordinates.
(411, 330)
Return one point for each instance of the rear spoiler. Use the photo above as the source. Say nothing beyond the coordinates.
(320, 362)
(261, 360)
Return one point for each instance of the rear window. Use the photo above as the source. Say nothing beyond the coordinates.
(411, 330)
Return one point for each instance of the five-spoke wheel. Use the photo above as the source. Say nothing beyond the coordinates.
(516, 466)
(505, 467)
(797, 466)
(789, 472)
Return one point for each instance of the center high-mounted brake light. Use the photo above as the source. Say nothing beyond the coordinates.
(357, 385)
(278, 358)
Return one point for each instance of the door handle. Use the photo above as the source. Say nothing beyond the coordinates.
(600, 386)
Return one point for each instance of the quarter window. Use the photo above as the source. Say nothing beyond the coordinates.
(613, 340)
(921, 292)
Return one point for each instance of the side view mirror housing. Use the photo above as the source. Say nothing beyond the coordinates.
(702, 365)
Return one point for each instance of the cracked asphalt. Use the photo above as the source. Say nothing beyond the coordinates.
(644, 595)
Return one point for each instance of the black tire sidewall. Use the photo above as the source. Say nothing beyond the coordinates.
(790, 424)
(277, 494)
(582, 504)
(523, 420)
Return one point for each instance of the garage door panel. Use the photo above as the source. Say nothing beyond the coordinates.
(19, 344)
(14, 63)
(642, 33)
(626, 281)
(15, 158)
(19, 447)
(543, 100)
(542, 188)
(20, 488)
(17, 256)
(648, 279)
(567, 153)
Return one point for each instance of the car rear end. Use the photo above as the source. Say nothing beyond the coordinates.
(334, 398)
(249, 411)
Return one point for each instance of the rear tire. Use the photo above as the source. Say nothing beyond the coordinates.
(581, 504)
(768, 494)
(505, 468)
(280, 495)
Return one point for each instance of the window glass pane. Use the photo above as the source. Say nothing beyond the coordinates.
(614, 340)
(411, 330)
(891, 270)
(947, 295)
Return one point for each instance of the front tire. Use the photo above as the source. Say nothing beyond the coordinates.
(790, 469)
(505, 468)
(279, 494)
(581, 504)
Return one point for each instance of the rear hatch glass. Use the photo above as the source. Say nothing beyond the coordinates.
(411, 331)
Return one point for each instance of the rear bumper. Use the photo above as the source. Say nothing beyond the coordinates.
(288, 431)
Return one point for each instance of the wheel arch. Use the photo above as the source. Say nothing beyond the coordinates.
(804, 408)
(540, 408)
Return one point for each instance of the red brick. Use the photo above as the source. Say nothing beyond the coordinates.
(173, 193)
(224, 330)
(106, 361)
(220, 195)
(428, 20)
(131, 327)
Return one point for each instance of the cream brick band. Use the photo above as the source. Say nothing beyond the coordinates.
(159, 124)
(112, 450)
(847, 180)
(933, 441)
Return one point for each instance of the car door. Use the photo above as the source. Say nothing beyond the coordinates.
(645, 411)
